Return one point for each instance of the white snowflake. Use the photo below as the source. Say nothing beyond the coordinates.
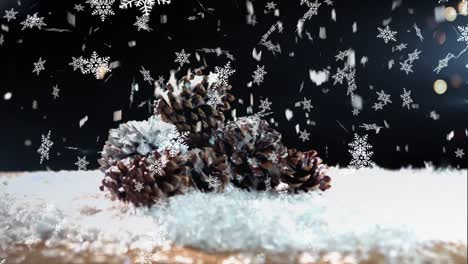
(374, 127)
(273, 157)
(45, 147)
(304, 135)
(102, 8)
(270, 46)
(33, 21)
(156, 166)
(259, 75)
(139, 186)
(406, 67)
(39, 66)
(78, 7)
(55, 91)
(341, 55)
(339, 76)
(386, 34)
(174, 142)
(215, 98)
(313, 9)
(146, 75)
(418, 32)
(328, 2)
(414, 55)
(406, 97)
(443, 63)
(142, 23)
(82, 163)
(463, 34)
(355, 111)
(361, 152)
(10, 14)
(94, 65)
(182, 57)
(306, 105)
(270, 5)
(401, 46)
(265, 105)
(223, 74)
(213, 183)
(383, 97)
(145, 6)
(459, 153)
(378, 106)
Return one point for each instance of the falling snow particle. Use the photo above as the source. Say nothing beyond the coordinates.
(82, 163)
(361, 152)
(386, 34)
(45, 147)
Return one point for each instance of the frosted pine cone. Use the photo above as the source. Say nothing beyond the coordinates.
(141, 138)
(310, 172)
(255, 150)
(145, 181)
(194, 104)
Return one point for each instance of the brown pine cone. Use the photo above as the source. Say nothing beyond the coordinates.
(209, 170)
(144, 181)
(191, 108)
(310, 172)
(255, 151)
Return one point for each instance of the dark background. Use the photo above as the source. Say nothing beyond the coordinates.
(224, 25)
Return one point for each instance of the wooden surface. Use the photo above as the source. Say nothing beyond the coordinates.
(40, 254)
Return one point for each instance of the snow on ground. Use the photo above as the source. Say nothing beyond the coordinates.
(392, 211)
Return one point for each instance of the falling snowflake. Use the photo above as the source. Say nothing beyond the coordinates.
(459, 153)
(341, 55)
(146, 75)
(361, 152)
(174, 142)
(401, 46)
(406, 97)
(406, 67)
(443, 63)
(313, 9)
(414, 55)
(273, 157)
(339, 76)
(270, 5)
(78, 7)
(39, 66)
(215, 98)
(213, 183)
(138, 186)
(94, 65)
(142, 23)
(265, 105)
(328, 2)
(145, 6)
(55, 92)
(33, 21)
(10, 14)
(156, 166)
(306, 105)
(182, 57)
(369, 127)
(463, 34)
(355, 111)
(223, 74)
(259, 75)
(386, 34)
(82, 163)
(418, 32)
(45, 147)
(378, 106)
(383, 97)
(102, 8)
(304, 135)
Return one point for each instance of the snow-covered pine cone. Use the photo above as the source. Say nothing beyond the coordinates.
(194, 104)
(209, 169)
(140, 138)
(144, 181)
(310, 172)
(255, 150)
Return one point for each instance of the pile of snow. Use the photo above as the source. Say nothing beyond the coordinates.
(368, 209)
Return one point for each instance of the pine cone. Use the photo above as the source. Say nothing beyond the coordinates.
(310, 172)
(190, 105)
(137, 138)
(144, 181)
(209, 170)
(255, 152)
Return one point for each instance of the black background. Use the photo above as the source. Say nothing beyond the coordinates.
(224, 25)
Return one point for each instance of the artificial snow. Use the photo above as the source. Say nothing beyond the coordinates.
(367, 209)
